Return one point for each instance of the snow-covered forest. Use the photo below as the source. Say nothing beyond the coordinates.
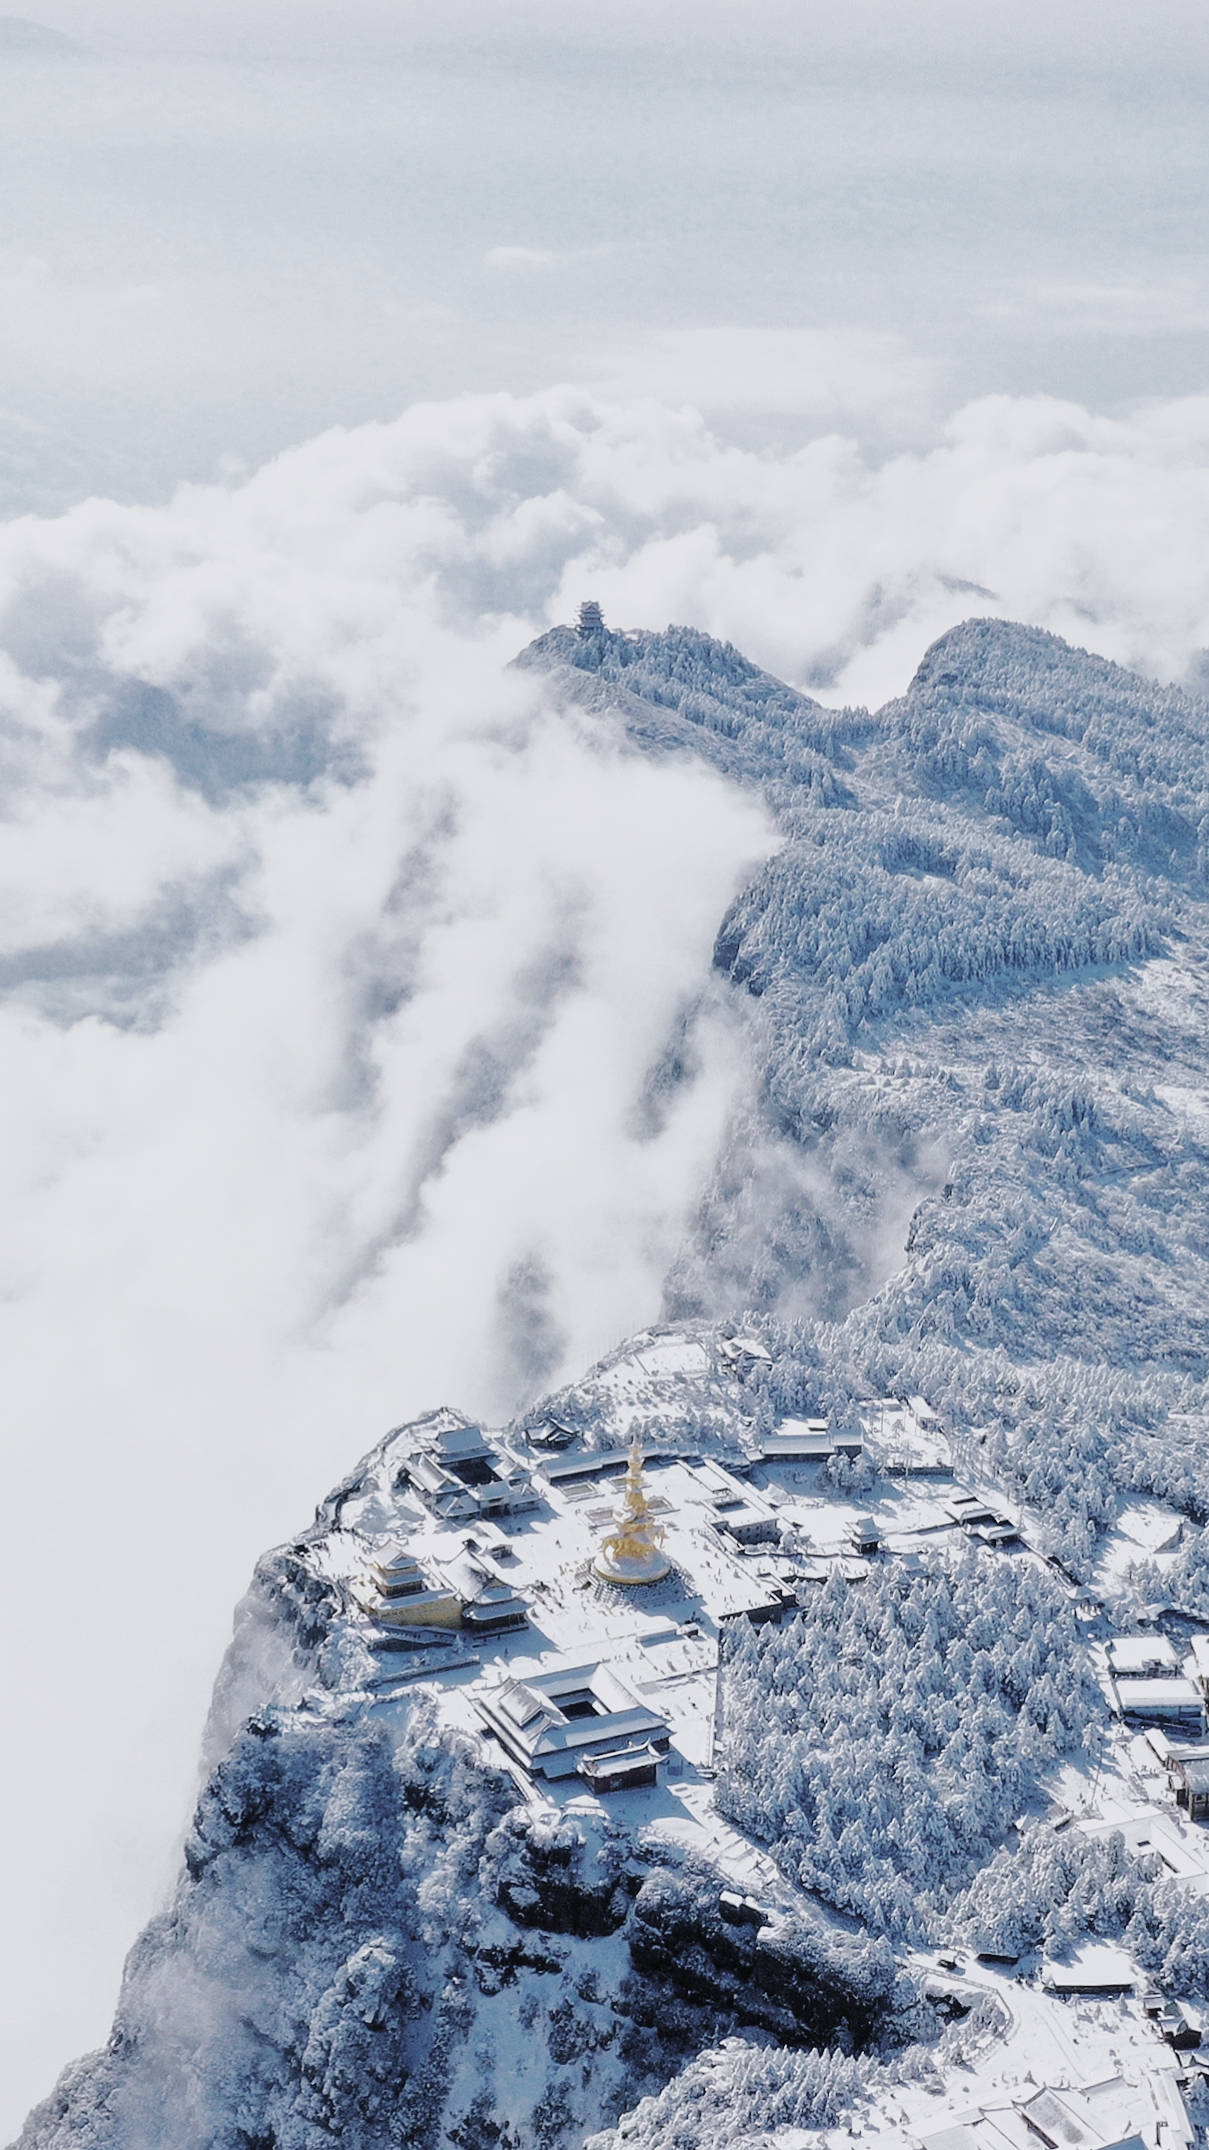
(1061, 1888)
(883, 1741)
(977, 1165)
(743, 2091)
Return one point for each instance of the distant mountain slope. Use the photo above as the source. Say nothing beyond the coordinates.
(19, 36)
(681, 691)
(979, 982)
(1093, 763)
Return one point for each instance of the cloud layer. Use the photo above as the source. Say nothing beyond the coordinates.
(340, 964)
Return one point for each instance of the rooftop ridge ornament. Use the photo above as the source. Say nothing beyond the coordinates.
(591, 618)
(632, 1551)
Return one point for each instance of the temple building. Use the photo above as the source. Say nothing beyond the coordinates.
(469, 1591)
(632, 1552)
(578, 1720)
(461, 1476)
(398, 1592)
(490, 1603)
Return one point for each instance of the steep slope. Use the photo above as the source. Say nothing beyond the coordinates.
(682, 692)
(383, 1937)
(980, 986)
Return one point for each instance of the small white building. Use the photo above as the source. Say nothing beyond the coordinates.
(748, 1521)
(808, 1440)
(1142, 1656)
(744, 1351)
(1167, 1700)
(1094, 1967)
(969, 1508)
(1188, 1769)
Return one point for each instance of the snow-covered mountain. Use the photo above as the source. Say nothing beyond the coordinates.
(980, 963)
(974, 1173)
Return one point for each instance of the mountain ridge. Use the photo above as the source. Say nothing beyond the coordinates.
(20, 36)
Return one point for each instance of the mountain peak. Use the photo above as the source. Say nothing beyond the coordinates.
(993, 655)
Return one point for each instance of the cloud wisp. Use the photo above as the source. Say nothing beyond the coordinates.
(338, 958)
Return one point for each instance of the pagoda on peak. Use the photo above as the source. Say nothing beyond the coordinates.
(632, 1552)
(591, 618)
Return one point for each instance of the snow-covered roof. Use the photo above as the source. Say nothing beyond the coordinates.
(397, 1563)
(785, 1442)
(1158, 1697)
(745, 1347)
(526, 1713)
(475, 1584)
(1141, 1653)
(460, 1442)
(1094, 1967)
(518, 1701)
(1195, 1774)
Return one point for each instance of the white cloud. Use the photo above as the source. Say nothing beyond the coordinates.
(838, 376)
(1170, 304)
(63, 322)
(356, 1128)
(524, 259)
(341, 957)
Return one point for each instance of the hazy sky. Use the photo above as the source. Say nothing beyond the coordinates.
(330, 988)
(209, 258)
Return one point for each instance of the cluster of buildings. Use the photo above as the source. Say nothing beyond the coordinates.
(576, 1597)
(460, 1475)
(1087, 2119)
(1149, 1683)
(469, 1589)
(457, 1575)
(526, 1547)
(563, 1554)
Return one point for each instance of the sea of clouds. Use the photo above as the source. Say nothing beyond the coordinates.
(339, 963)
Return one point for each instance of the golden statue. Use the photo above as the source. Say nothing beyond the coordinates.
(631, 1553)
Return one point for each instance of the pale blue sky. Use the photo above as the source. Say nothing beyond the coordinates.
(221, 255)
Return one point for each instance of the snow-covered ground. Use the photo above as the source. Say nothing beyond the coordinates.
(1144, 1530)
(1106, 2052)
(662, 1642)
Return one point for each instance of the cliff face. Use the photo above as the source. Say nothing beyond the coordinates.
(374, 1943)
